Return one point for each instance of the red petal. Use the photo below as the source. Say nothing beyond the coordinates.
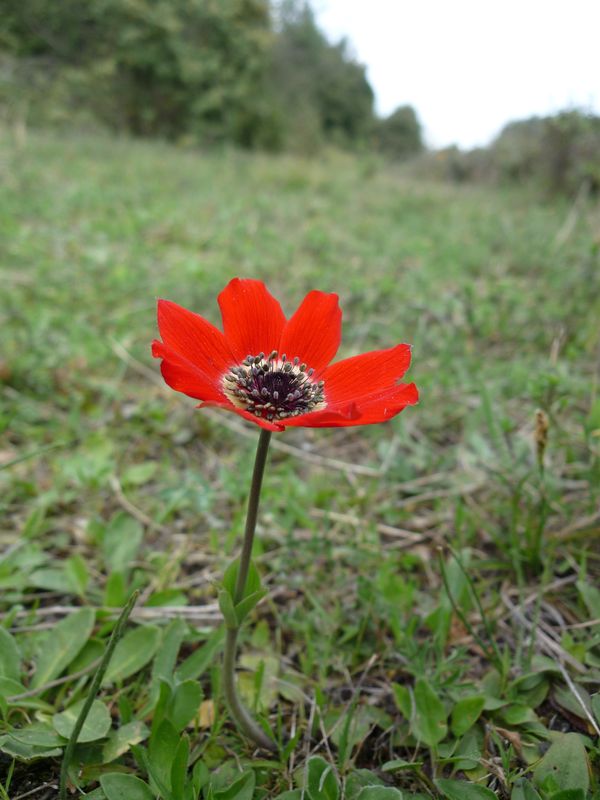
(252, 318)
(262, 423)
(314, 332)
(325, 418)
(379, 409)
(184, 376)
(366, 376)
(196, 340)
(387, 404)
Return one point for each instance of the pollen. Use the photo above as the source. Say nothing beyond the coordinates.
(273, 387)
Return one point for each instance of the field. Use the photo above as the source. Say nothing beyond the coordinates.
(433, 616)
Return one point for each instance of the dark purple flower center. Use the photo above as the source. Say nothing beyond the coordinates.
(274, 387)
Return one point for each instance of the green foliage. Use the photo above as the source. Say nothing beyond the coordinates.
(561, 152)
(557, 155)
(203, 71)
(172, 68)
(503, 320)
(399, 136)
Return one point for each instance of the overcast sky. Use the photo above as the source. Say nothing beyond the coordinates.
(470, 66)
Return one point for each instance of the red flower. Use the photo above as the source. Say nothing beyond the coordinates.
(276, 372)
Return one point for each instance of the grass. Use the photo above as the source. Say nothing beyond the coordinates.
(432, 621)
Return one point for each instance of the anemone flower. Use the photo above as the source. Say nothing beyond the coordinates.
(275, 372)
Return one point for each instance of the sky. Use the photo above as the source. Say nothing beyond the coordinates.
(470, 66)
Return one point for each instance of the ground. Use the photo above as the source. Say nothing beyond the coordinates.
(432, 616)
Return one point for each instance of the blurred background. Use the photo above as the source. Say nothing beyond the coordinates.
(501, 93)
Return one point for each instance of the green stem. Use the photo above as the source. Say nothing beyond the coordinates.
(237, 710)
(114, 638)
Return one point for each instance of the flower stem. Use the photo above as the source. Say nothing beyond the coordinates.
(93, 691)
(237, 710)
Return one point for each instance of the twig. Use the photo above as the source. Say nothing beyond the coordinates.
(578, 697)
(577, 525)
(53, 684)
(48, 785)
(436, 494)
(412, 537)
(546, 643)
(134, 510)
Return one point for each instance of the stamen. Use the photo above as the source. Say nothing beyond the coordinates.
(273, 387)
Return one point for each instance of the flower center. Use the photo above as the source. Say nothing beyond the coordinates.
(273, 387)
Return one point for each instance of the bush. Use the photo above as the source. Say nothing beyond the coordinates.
(208, 71)
(399, 136)
(169, 68)
(560, 152)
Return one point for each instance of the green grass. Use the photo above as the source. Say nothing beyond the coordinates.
(407, 563)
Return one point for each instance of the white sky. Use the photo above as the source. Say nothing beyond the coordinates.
(470, 66)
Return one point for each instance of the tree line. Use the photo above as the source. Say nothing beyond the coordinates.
(252, 73)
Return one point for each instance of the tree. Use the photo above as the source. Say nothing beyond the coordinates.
(399, 136)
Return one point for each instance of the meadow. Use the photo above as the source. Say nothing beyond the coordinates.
(432, 625)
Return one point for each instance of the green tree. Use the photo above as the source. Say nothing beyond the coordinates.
(399, 136)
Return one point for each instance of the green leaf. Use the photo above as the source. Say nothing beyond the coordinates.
(9, 687)
(245, 606)
(595, 704)
(429, 721)
(27, 752)
(400, 764)
(77, 574)
(566, 761)
(253, 581)
(321, 781)
(121, 541)
(380, 793)
(62, 644)
(120, 740)
(357, 780)
(196, 665)
(166, 657)
(96, 725)
(241, 789)
(10, 660)
(179, 769)
(162, 750)
(293, 794)
(466, 713)
(117, 786)
(184, 704)
(568, 794)
(115, 591)
(468, 751)
(38, 734)
(460, 790)
(591, 597)
(139, 474)
(403, 699)
(132, 653)
(227, 609)
(523, 790)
